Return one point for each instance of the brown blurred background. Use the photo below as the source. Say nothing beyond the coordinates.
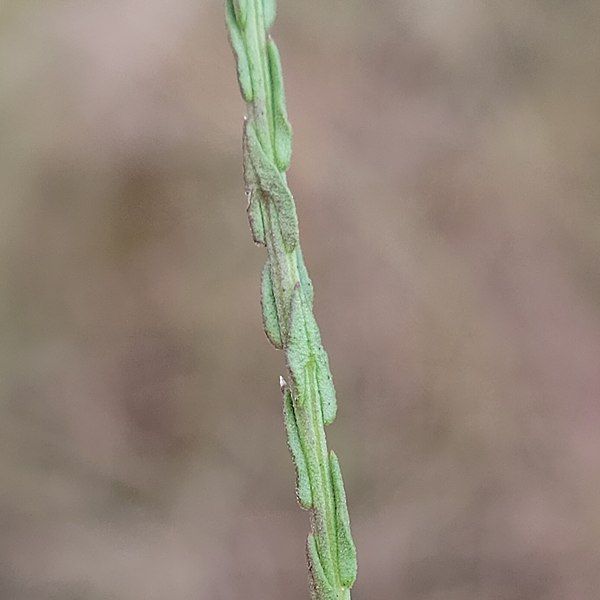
(446, 174)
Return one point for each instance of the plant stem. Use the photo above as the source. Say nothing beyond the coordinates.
(287, 299)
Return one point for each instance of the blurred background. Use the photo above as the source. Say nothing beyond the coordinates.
(446, 173)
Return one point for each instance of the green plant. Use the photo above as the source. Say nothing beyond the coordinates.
(287, 299)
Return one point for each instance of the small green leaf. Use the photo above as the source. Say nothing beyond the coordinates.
(305, 282)
(254, 195)
(322, 589)
(282, 273)
(282, 127)
(270, 12)
(323, 372)
(241, 12)
(269, 308)
(345, 544)
(326, 388)
(297, 350)
(303, 491)
(275, 188)
(312, 329)
(255, 218)
(239, 49)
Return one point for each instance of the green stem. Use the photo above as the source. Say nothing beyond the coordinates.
(309, 396)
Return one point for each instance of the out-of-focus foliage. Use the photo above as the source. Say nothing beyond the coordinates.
(445, 170)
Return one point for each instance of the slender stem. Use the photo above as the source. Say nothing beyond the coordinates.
(309, 396)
